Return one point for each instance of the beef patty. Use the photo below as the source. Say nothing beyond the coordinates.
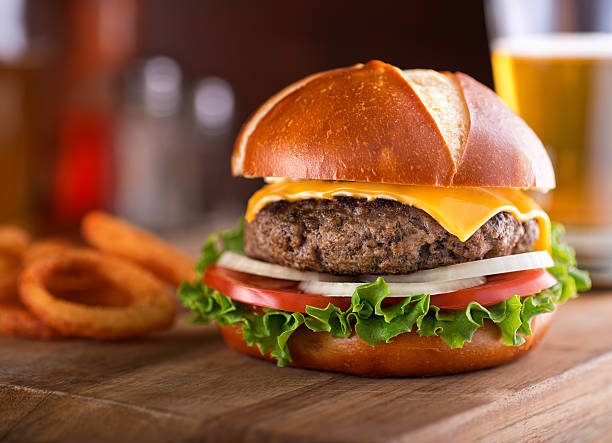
(347, 235)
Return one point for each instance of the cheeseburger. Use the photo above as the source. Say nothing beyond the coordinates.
(394, 236)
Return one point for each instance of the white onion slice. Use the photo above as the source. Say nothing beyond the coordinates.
(396, 289)
(242, 263)
(488, 266)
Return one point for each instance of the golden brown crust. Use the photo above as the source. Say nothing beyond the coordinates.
(17, 321)
(333, 128)
(117, 237)
(501, 150)
(366, 123)
(407, 355)
(149, 306)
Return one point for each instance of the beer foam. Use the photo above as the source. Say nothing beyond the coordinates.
(557, 45)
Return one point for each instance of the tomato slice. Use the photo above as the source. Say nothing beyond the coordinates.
(266, 292)
(286, 295)
(497, 288)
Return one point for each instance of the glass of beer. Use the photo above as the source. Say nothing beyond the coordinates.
(552, 64)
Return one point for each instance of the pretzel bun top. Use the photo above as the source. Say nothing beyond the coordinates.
(376, 123)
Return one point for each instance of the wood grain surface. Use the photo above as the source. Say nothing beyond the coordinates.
(185, 385)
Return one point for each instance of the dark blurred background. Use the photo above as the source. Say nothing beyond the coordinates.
(133, 105)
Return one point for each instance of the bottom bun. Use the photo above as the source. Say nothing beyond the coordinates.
(407, 355)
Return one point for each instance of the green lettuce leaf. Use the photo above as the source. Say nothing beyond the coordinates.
(368, 318)
(216, 244)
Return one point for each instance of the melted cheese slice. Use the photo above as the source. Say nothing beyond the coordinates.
(461, 211)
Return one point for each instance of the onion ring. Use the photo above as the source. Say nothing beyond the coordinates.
(150, 306)
(117, 237)
(62, 281)
(48, 246)
(16, 321)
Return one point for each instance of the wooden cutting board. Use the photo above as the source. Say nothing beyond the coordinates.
(185, 385)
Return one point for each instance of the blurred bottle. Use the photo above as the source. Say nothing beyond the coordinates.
(167, 155)
(151, 131)
(20, 71)
(102, 36)
(552, 63)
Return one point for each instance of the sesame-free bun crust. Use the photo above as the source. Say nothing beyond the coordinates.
(376, 123)
(407, 355)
